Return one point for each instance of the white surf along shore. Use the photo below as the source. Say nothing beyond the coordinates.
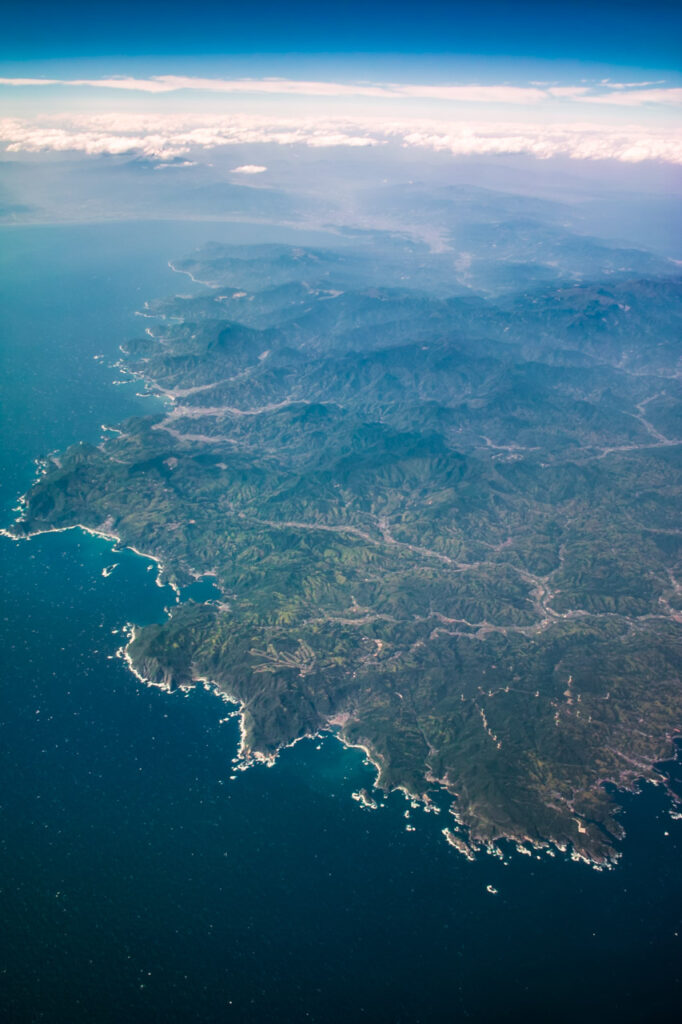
(457, 835)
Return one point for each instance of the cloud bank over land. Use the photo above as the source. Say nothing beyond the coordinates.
(175, 137)
(628, 120)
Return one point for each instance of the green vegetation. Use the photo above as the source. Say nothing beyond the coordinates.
(447, 528)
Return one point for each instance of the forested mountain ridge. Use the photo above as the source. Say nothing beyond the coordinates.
(446, 526)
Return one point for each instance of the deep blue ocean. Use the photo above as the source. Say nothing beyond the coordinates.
(138, 881)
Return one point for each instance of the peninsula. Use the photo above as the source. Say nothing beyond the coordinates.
(443, 524)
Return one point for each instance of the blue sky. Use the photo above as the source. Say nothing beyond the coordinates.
(618, 32)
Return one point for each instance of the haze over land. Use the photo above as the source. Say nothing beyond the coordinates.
(437, 488)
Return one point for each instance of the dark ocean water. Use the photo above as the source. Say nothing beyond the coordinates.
(138, 881)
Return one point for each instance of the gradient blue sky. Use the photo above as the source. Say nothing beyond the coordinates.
(619, 32)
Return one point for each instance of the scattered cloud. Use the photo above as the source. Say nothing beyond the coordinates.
(173, 164)
(183, 138)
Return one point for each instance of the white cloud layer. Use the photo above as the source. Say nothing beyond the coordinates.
(249, 169)
(288, 87)
(605, 91)
(168, 138)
